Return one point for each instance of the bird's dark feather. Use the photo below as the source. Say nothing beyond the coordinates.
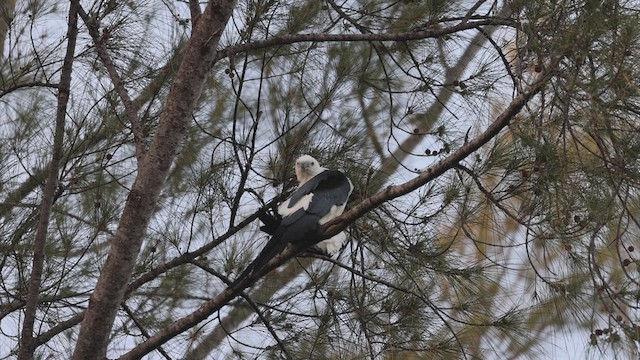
(329, 188)
(270, 220)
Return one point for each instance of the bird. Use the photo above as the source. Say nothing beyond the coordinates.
(321, 196)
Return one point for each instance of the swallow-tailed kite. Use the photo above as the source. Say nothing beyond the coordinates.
(321, 195)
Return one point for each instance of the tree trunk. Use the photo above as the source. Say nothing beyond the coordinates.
(152, 173)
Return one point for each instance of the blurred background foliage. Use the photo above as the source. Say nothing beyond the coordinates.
(526, 249)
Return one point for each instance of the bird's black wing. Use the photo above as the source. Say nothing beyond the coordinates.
(334, 190)
(329, 188)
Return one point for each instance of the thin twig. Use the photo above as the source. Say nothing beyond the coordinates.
(142, 329)
(251, 303)
(129, 109)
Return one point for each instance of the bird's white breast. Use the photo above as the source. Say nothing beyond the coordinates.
(334, 244)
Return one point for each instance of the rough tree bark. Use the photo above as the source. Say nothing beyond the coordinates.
(152, 173)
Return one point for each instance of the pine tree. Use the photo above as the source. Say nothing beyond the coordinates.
(493, 148)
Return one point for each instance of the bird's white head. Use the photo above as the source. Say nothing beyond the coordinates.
(306, 168)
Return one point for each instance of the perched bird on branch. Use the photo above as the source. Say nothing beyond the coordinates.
(321, 196)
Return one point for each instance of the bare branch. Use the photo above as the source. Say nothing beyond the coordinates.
(397, 36)
(189, 256)
(273, 282)
(251, 303)
(141, 327)
(28, 85)
(58, 328)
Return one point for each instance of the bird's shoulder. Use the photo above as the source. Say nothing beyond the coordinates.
(316, 197)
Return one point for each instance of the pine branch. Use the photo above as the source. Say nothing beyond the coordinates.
(391, 192)
(340, 223)
(423, 120)
(7, 8)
